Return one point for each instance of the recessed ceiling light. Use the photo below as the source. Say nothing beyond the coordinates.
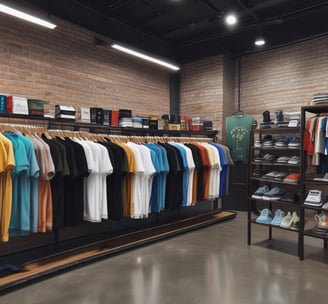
(259, 41)
(230, 19)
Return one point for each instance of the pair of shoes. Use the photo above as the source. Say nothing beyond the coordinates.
(265, 217)
(273, 195)
(258, 194)
(283, 159)
(294, 160)
(278, 216)
(294, 142)
(291, 220)
(264, 193)
(258, 143)
(314, 198)
(289, 197)
(275, 175)
(267, 158)
(292, 178)
(281, 142)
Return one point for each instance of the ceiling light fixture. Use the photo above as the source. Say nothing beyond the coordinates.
(25, 16)
(144, 56)
(230, 19)
(259, 41)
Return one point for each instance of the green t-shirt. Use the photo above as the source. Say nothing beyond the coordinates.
(237, 135)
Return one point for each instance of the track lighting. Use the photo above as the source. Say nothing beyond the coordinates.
(144, 56)
(25, 16)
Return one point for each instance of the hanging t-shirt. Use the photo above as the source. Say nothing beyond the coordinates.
(238, 130)
(7, 165)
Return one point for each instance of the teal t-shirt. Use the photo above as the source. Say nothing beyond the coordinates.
(238, 129)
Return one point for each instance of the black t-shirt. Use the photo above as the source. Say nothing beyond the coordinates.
(74, 211)
(173, 193)
(57, 184)
(199, 170)
(115, 180)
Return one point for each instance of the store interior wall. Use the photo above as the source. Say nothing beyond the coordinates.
(63, 66)
(201, 90)
(284, 78)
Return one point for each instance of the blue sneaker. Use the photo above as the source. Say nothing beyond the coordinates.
(265, 217)
(258, 194)
(278, 216)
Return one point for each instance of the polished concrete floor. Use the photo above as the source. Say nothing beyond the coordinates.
(211, 265)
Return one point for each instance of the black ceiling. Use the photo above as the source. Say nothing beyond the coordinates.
(186, 30)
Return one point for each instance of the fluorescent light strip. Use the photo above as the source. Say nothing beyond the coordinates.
(19, 14)
(144, 56)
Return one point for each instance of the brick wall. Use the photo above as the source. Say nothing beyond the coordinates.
(284, 78)
(63, 66)
(201, 89)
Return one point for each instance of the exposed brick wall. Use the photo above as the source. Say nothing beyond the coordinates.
(63, 66)
(284, 78)
(201, 90)
(207, 90)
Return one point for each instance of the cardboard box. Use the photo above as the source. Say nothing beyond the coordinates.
(17, 105)
(174, 126)
(36, 107)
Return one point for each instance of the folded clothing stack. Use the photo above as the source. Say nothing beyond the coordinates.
(320, 98)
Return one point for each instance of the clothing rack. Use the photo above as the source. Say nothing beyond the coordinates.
(59, 236)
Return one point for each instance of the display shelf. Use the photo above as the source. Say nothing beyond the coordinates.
(315, 182)
(275, 149)
(313, 208)
(255, 181)
(275, 164)
(311, 233)
(270, 181)
(52, 123)
(295, 205)
(282, 130)
(306, 181)
(274, 226)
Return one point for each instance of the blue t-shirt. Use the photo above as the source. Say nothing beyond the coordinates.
(224, 172)
(20, 196)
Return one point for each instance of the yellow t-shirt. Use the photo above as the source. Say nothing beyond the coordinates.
(8, 163)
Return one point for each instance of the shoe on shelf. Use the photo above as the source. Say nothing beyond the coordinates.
(292, 178)
(259, 172)
(289, 197)
(281, 142)
(269, 158)
(287, 221)
(322, 179)
(294, 160)
(258, 194)
(270, 175)
(265, 217)
(294, 142)
(258, 143)
(280, 176)
(296, 222)
(273, 195)
(283, 159)
(314, 198)
(278, 216)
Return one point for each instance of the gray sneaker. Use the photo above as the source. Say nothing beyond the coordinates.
(273, 195)
(258, 194)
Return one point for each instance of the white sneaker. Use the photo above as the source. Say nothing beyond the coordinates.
(287, 221)
(313, 198)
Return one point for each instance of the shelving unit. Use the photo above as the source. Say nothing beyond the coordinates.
(51, 123)
(307, 183)
(257, 181)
